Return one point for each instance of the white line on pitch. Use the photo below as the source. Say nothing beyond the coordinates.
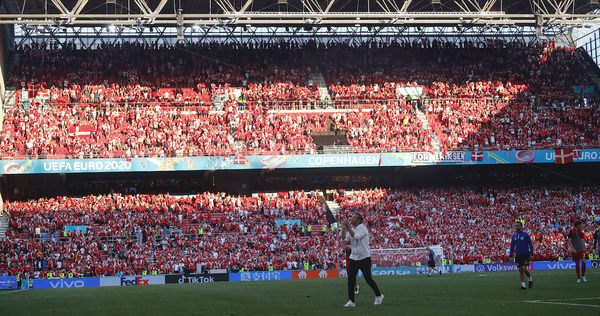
(559, 303)
(2, 293)
(575, 299)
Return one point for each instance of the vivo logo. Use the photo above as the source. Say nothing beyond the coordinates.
(558, 265)
(66, 284)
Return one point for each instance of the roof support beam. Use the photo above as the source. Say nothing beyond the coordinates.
(395, 16)
(225, 5)
(488, 5)
(61, 7)
(77, 9)
(331, 4)
(405, 6)
(312, 6)
(79, 6)
(143, 6)
(245, 7)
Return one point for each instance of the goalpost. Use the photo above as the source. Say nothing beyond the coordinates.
(407, 257)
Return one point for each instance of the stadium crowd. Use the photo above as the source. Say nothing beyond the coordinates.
(210, 99)
(224, 99)
(506, 95)
(122, 131)
(114, 233)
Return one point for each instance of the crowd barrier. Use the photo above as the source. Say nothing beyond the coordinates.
(302, 161)
(562, 265)
(132, 280)
(260, 276)
(10, 282)
(66, 283)
(196, 278)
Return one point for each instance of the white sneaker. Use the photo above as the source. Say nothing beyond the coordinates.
(356, 288)
(378, 299)
(350, 304)
(583, 279)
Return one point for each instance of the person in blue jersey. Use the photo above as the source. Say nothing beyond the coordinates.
(356, 233)
(521, 248)
(431, 262)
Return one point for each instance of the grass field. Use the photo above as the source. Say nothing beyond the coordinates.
(555, 292)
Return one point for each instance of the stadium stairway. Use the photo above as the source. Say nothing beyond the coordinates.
(303, 239)
(3, 225)
(592, 69)
(333, 207)
(9, 98)
(187, 225)
(96, 228)
(594, 76)
(320, 80)
(10, 92)
(435, 143)
(329, 138)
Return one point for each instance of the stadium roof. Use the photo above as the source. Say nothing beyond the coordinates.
(298, 12)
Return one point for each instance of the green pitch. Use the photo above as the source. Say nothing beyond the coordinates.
(554, 293)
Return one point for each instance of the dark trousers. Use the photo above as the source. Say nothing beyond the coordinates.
(363, 265)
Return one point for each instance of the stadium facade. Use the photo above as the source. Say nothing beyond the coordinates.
(538, 28)
(91, 24)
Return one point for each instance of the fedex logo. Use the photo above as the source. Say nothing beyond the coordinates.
(136, 281)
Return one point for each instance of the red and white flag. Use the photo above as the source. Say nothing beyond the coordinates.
(563, 156)
(231, 94)
(239, 160)
(84, 131)
(42, 94)
(477, 156)
(576, 153)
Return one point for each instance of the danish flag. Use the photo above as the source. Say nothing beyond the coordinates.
(238, 160)
(43, 94)
(563, 156)
(477, 156)
(84, 131)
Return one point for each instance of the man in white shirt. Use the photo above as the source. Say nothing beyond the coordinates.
(356, 233)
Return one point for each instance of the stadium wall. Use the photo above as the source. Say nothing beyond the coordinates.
(10, 282)
(5, 46)
(273, 162)
(24, 179)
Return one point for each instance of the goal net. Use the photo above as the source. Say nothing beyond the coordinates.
(406, 257)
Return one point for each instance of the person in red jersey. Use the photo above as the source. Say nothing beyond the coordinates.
(577, 247)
